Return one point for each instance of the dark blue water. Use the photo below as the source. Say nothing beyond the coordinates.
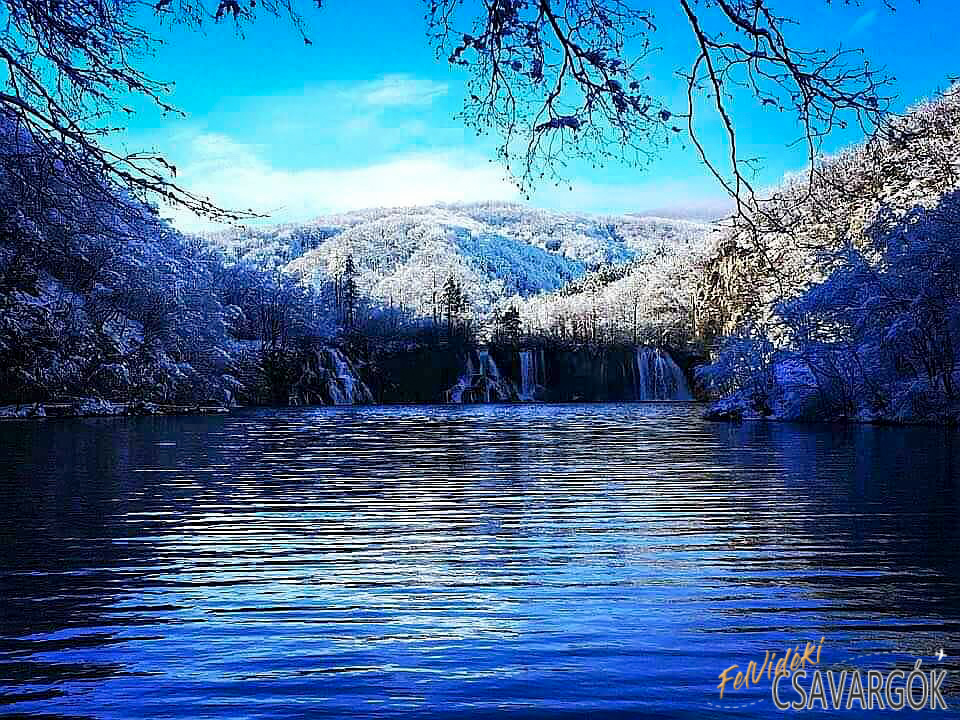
(572, 561)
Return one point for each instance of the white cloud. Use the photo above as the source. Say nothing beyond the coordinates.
(398, 89)
(238, 177)
(655, 196)
(863, 22)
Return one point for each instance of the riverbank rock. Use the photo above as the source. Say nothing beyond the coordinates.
(13, 412)
(96, 407)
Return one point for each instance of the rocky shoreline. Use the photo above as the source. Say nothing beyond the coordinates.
(736, 410)
(92, 407)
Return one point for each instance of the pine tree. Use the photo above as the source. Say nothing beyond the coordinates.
(508, 326)
(349, 294)
(454, 303)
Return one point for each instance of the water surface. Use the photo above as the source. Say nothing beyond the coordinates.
(510, 561)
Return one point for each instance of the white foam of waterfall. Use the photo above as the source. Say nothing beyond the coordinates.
(482, 382)
(488, 367)
(340, 385)
(659, 377)
(344, 387)
(464, 383)
(490, 374)
(528, 375)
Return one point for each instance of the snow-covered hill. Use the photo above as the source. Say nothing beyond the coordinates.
(403, 256)
(841, 298)
(913, 160)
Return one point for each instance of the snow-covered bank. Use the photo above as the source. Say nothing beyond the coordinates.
(797, 394)
(738, 408)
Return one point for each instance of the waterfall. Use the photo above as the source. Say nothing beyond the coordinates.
(464, 383)
(659, 377)
(482, 383)
(527, 381)
(488, 368)
(328, 377)
(343, 386)
(541, 369)
(530, 363)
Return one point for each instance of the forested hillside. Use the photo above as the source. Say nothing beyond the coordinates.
(649, 300)
(102, 301)
(500, 256)
(840, 296)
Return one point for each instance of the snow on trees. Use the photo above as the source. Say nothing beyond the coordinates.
(499, 254)
(850, 310)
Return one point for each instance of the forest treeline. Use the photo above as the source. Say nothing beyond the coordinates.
(101, 298)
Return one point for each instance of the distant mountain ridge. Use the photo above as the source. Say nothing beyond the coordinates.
(494, 250)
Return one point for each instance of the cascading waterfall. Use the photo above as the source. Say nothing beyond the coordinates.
(484, 386)
(542, 369)
(344, 386)
(488, 368)
(526, 375)
(659, 377)
(482, 383)
(340, 384)
(464, 383)
(340, 379)
(328, 377)
(530, 363)
(489, 372)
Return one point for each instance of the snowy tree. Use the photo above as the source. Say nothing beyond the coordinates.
(915, 159)
(453, 303)
(348, 295)
(507, 326)
(877, 338)
(99, 297)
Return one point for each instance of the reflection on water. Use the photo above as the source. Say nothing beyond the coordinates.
(525, 561)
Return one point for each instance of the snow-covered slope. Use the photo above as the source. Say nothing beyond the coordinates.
(403, 256)
(841, 301)
(914, 160)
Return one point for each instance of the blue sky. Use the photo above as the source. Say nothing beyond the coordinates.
(364, 116)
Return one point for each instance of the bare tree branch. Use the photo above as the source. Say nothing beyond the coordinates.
(553, 79)
(69, 62)
(565, 79)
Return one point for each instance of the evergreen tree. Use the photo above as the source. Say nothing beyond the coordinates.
(453, 302)
(349, 292)
(507, 326)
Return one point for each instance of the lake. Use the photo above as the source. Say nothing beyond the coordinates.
(525, 561)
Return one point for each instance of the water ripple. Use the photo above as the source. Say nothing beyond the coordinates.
(534, 561)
